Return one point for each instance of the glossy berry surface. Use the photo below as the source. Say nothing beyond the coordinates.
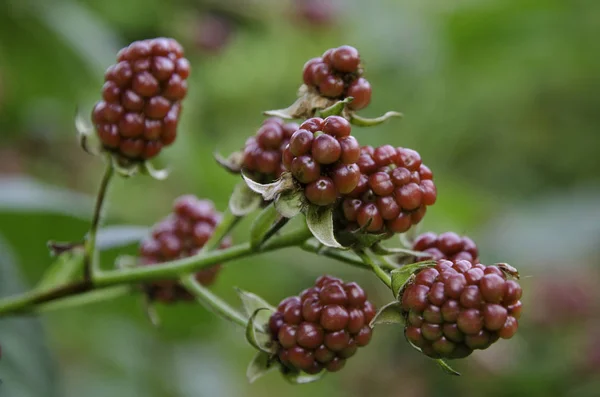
(323, 327)
(337, 75)
(141, 99)
(262, 156)
(448, 245)
(457, 307)
(321, 156)
(183, 233)
(392, 193)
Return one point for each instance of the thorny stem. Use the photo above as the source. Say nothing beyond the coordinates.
(90, 262)
(379, 272)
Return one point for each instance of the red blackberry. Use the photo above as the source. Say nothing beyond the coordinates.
(322, 158)
(337, 75)
(142, 95)
(322, 327)
(262, 158)
(393, 192)
(181, 234)
(448, 246)
(457, 307)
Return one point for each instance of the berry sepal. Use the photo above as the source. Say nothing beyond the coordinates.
(256, 334)
(336, 109)
(243, 200)
(309, 102)
(403, 276)
(388, 314)
(233, 163)
(320, 222)
(159, 174)
(287, 196)
(261, 364)
(367, 122)
(85, 132)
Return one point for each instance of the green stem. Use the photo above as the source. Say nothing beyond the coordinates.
(91, 262)
(379, 272)
(348, 257)
(212, 302)
(93, 296)
(227, 223)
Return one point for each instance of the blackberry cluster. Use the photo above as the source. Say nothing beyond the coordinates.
(263, 152)
(393, 191)
(142, 95)
(322, 327)
(448, 246)
(322, 157)
(337, 75)
(457, 307)
(180, 235)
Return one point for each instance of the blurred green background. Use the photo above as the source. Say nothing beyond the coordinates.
(501, 98)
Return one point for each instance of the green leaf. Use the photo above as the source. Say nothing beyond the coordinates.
(296, 110)
(289, 204)
(388, 314)
(258, 341)
(262, 225)
(508, 270)
(447, 368)
(401, 276)
(27, 367)
(320, 222)
(260, 365)
(365, 122)
(64, 269)
(125, 170)
(148, 169)
(251, 302)
(300, 378)
(243, 200)
(335, 109)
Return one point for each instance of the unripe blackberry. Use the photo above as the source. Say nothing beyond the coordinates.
(392, 193)
(262, 158)
(457, 307)
(323, 327)
(337, 75)
(448, 246)
(142, 96)
(181, 234)
(321, 157)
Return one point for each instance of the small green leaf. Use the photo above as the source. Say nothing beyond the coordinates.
(258, 341)
(233, 163)
(365, 122)
(243, 200)
(296, 110)
(289, 204)
(260, 365)
(335, 109)
(65, 268)
(447, 368)
(125, 170)
(251, 302)
(148, 169)
(320, 222)
(401, 276)
(262, 225)
(380, 250)
(388, 314)
(270, 191)
(508, 270)
(300, 378)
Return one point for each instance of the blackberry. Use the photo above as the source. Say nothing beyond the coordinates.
(142, 96)
(181, 234)
(322, 158)
(393, 191)
(323, 327)
(457, 307)
(448, 246)
(337, 75)
(262, 156)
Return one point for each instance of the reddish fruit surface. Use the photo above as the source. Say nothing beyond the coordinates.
(337, 74)
(141, 99)
(262, 155)
(448, 245)
(392, 193)
(181, 234)
(449, 312)
(323, 327)
(321, 156)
